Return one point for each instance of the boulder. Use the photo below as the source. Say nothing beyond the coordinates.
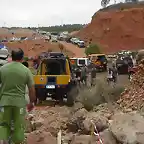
(128, 128)
(107, 137)
(41, 138)
(67, 139)
(75, 121)
(77, 106)
(29, 126)
(100, 121)
(38, 123)
(81, 139)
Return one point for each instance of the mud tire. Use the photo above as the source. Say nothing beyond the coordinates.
(71, 96)
(41, 95)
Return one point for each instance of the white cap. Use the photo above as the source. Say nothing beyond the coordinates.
(4, 53)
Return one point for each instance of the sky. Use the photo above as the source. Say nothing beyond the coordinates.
(31, 13)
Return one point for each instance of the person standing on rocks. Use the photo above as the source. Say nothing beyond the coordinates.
(109, 76)
(93, 75)
(84, 72)
(114, 73)
(14, 77)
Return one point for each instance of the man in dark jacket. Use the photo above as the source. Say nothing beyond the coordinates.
(93, 75)
(114, 73)
(84, 74)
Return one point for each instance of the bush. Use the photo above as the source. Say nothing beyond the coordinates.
(26, 58)
(93, 49)
(121, 8)
(99, 94)
(91, 97)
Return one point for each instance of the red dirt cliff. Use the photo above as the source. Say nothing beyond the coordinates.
(116, 30)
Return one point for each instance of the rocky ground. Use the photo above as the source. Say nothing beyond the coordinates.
(120, 121)
(118, 118)
(113, 122)
(114, 127)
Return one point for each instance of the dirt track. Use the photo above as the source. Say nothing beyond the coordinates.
(79, 52)
(122, 79)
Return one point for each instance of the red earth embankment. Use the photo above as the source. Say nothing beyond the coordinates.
(116, 30)
(35, 47)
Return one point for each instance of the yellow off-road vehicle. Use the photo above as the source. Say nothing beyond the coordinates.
(99, 60)
(54, 79)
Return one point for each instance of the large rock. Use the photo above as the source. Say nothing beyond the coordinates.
(77, 106)
(38, 123)
(41, 138)
(76, 120)
(100, 121)
(128, 128)
(29, 126)
(107, 137)
(67, 139)
(81, 139)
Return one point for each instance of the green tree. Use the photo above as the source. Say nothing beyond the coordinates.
(93, 49)
(26, 58)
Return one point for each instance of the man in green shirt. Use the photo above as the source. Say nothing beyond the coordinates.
(14, 77)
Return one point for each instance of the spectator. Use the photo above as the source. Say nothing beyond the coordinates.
(93, 75)
(26, 90)
(14, 77)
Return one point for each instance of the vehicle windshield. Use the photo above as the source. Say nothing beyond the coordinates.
(102, 58)
(81, 42)
(55, 67)
(81, 61)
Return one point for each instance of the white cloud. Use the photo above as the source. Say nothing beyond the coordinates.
(46, 12)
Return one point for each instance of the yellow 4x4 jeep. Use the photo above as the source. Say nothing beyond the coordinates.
(54, 79)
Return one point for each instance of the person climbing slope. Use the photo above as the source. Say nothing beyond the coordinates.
(14, 77)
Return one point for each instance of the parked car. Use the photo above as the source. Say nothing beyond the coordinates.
(123, 64)
(81, 44)
(74, 40)
(54, 39)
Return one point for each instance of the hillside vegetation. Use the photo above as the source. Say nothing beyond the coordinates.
(58, 28)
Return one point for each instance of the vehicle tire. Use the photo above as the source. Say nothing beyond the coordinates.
(59, 97)
(119, 70)
(41, 94)
(71, 96)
